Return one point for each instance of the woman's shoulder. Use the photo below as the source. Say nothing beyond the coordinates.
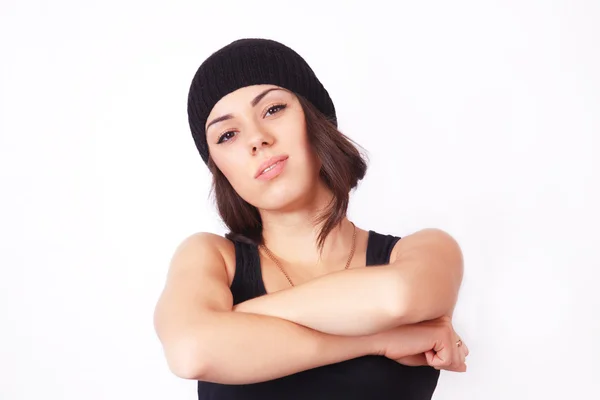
(415, 240)
(208, 241)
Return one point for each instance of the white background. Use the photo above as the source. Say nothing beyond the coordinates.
(479, 117)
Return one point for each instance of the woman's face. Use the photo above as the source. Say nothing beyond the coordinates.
(252, 125)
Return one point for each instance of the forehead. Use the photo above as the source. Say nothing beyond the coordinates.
(242, 98)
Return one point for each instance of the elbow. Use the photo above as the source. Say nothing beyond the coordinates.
(405, 302)
(425, 285)
(402, 309)
(410, 304)
(186, 359)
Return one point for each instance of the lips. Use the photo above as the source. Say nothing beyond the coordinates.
(268, 163)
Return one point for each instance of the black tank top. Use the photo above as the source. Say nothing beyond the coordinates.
(368, 377)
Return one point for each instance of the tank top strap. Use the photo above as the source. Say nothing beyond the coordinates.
(379, 248)
(247, 281)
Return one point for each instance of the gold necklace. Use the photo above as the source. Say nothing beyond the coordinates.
(276, 261)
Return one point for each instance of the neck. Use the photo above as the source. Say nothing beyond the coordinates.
(292, 235)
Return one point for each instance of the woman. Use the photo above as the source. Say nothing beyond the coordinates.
(297, 302)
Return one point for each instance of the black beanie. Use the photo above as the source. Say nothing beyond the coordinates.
(247, 62)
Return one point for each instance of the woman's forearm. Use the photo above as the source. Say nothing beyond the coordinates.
(359, 301)
(238, 348)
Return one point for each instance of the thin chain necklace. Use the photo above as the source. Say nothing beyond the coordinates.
(276, 261)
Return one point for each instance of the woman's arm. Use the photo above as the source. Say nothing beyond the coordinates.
(203, 339)
(360, 301)
(420, 283)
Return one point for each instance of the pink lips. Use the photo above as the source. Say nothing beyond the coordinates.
(273, 172)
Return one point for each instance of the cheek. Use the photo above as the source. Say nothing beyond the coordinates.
(239, 174)
(304, 151)
(233, 170)
(296, 140)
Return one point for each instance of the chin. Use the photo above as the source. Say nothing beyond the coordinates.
(282, 197)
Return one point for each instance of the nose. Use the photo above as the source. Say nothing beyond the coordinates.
(260, 140)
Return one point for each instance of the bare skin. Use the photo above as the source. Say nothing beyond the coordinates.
(195, 317)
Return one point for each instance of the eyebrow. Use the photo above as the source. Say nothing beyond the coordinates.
(253, 103)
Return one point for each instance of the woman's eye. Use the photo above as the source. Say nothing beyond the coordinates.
(271, 110)
(225, 137)
(274, 109)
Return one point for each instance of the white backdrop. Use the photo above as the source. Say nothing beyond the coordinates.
(479, 117)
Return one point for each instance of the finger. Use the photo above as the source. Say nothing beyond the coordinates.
(458, 368)
(463, 345)
(458, 358)
(465, 352)
(429, 357)
(443, 358)
(433, 360)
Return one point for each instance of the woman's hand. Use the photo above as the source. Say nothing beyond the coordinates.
(432, 343)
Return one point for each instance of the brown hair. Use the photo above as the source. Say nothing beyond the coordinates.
(342, 167)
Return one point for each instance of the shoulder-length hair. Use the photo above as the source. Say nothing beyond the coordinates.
(342, 167)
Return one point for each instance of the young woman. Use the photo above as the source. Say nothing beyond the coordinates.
(296, 301)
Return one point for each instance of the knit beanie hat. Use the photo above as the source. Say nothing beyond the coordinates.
(247, 62)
